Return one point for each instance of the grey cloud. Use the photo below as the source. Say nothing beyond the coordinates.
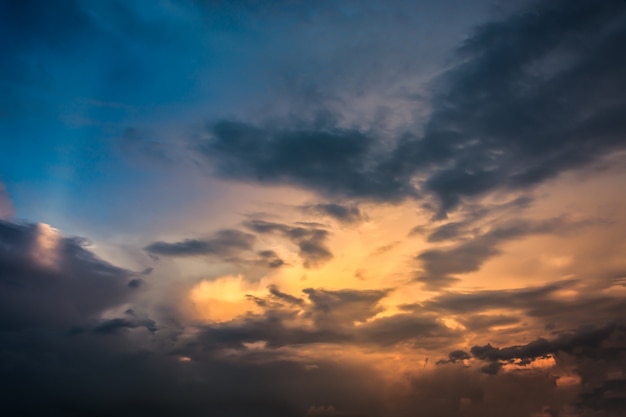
(273, 289)
(595, 354)
(114, 325)
(58, 284)
(541, 304)
(481, 322)
(340, 308)
(347, 214)
(532, 95)
(517, 299)
(340, 317)
(454, 356)
(269, 328)
(440, 265)
(580, 340)
(333, 161)
(491, 368)
(446, 232)
(459, 391)
(421, 331)
(529, 101)
(270, 258)
(311, 241)
(224, 243)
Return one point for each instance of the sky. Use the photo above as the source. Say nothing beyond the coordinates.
(313, 208)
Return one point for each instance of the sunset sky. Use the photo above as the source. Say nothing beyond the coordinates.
(354, 208)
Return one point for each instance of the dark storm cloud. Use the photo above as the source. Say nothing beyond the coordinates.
(106, 375)
(224, 243)
(59, 357)
(454, 356)
(440, 265)
(311, 240)
(333, 161)
(114, 325)
(597, 355)
(342, 213)
(534, 95)
(271, 329)
(579, 341)
(50, 280)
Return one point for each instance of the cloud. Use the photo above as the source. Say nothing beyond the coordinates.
(114, 325)
(347, 214)
(224, 243)
(454, 356)
(594, 354)
(333, 161)
(48, 280)
(270, 258)
(311, 241)
(339, 308)
(440, 265)
(526, 101)
(581, 340)
(338, 317)
(421, 331)
(273, 289)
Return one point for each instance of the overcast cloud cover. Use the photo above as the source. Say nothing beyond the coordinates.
(329, 208)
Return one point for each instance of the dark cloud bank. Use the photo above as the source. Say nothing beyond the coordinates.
(70, 345)
(532, 96)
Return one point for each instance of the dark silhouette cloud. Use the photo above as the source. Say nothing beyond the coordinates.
(223, 244)
(113, 325)
(580, 340)
(333, 161)
(347, 214)
(311, 240)
(454, 356)
(597, 355)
